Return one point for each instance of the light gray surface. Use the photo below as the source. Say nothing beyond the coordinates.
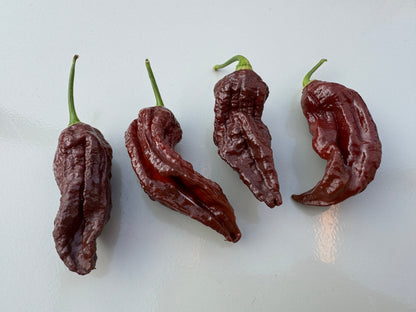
(355, 256)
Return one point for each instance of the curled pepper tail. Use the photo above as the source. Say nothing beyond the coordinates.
(345, 135)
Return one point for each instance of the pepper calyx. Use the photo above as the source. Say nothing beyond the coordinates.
(243, 63)
(307, 78)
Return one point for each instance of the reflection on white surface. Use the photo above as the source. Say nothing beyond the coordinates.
(327, 235)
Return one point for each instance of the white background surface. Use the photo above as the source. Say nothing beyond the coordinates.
(359, 255)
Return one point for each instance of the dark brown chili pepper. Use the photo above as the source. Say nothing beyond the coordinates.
(243, 140)
(345, 135)
(167, 178)
(82, 168)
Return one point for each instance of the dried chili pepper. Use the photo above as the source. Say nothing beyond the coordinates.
(82, 168)
(167, 178)
(345, 135)
(243, 140)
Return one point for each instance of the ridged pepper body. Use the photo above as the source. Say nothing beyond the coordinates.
(169, 179)
(82, 168)
(345, 135)
(243, 140)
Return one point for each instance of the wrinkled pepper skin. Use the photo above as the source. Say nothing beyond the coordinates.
(243, 140)
(167, 178)
(345, 135)
(82, 168)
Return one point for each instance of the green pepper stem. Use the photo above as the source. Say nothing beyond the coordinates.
(73, 118)
(307, 78)
(243, 63)
(159, 101)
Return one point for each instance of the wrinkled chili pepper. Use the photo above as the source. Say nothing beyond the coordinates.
(167, 178)
(345, 135)
(82, 168)
(243, 140)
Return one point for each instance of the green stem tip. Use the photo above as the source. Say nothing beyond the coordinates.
(73, 118)
(243, 63)
(159, 101)
(307, 78)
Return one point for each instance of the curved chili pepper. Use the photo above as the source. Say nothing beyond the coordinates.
(82, 168)
(345, 135)
(167, 178)
(243, 140)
